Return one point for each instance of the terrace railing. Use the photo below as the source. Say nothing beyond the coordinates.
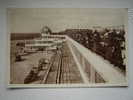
(94, 68)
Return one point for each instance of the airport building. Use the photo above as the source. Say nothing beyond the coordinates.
(46, 41)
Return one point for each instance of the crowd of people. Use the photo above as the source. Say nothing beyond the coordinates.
(108, 43)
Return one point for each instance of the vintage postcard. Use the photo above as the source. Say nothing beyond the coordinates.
(67, 47)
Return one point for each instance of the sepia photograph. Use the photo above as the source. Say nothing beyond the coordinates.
(67, 47)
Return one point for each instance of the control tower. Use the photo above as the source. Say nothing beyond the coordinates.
(45, 31)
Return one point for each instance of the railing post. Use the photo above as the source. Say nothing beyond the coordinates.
(92, 74)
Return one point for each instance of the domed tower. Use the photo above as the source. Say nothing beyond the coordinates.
(45, 31)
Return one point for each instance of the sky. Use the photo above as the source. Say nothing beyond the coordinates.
(28, 20)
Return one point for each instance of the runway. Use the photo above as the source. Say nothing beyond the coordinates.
(62, 68)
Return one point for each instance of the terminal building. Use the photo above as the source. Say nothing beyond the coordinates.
(46, 41)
